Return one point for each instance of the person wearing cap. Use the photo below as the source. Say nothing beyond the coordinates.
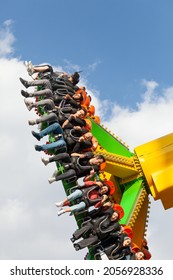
(90, 194)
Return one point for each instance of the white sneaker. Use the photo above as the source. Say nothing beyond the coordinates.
(59, 204)
(26, 63)
(30, 67)
(28, 104)
(51, 180)
(61, 212)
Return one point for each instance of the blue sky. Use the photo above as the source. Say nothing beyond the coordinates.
(125, 49)
(125, 40)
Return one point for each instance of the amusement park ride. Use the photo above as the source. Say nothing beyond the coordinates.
(136, 175)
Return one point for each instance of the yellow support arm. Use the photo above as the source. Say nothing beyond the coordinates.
(156, 160)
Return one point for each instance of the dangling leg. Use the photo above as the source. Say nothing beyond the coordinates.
(46, 93)
(64, 176)
(54, 145)
(44, 83)
(52, 117)
(86, 229)
(55, 128)
(63, 157)
(73, 209)
(93, 239)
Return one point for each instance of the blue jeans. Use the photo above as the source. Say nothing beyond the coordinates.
(74, 195)
(54, 145)
(77, 207)
(55, 128)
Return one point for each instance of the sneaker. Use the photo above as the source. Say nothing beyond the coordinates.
(24, 82)
(36, 135)
(45, 161)
(38, 148)
(26, 63)
(25, 93)
(61, 212)
(77, 247)
(59, 204)
(28, 104)
(30, 68)
(32, 122)
(51, 180)
(73, 239)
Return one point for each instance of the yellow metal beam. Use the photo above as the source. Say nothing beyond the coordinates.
(120, 166)
(156, 160)
(139, 218)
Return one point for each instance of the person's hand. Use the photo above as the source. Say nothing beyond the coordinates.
(81, 139)
(67, 96)
(100, 184)
(77, 127)
(82, 155)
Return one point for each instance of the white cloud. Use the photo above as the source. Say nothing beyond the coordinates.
(6, 39)
(150, 120)
(94, 65)
(150, 87)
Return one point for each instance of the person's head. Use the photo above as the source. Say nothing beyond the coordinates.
(115, 216)
(74, 78)
(77, 97)
(104, 190)
(88, 136)
(98, 159)
(119, 209)
(127, 241)
(111, 186)
(139, 255)
(81, 113)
